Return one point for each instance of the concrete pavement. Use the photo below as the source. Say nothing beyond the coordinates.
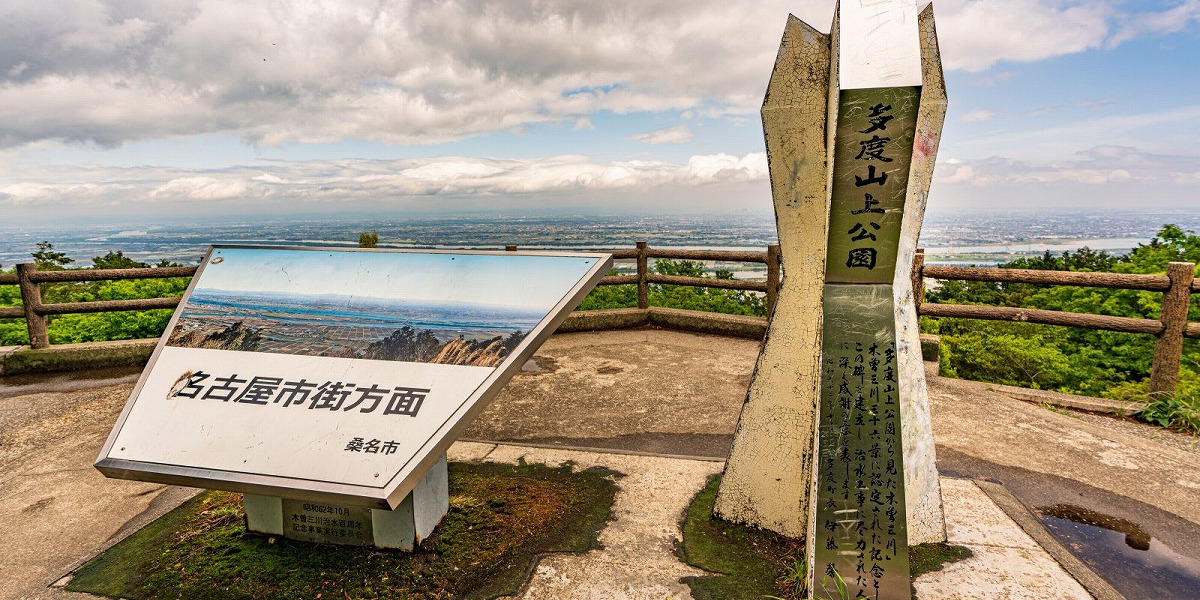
(622, 391)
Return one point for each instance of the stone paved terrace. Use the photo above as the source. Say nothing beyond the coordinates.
(643, 391)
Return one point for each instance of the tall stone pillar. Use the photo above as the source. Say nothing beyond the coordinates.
(852, 122)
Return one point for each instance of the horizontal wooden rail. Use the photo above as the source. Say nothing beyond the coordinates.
(64, 308)
(1170, 328)
(1125, 281)
(101, 274)
(12, 312)
(712, 282)
(726, 255)
(1045, 317)
(623, 254)
(9, 279)
(618, 280)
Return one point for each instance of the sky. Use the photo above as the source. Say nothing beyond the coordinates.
(142, 111)
(524, 282)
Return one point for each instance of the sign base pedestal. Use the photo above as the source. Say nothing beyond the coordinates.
(309, 521)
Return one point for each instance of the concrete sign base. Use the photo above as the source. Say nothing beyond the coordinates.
(311, 521)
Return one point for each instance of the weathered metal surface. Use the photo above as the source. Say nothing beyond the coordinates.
(871, 161)
(877, 472)
(860, 526)
(311, 521)
(860, 533)
(201, 416)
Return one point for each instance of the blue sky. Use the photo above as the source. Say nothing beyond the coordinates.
(526, 282)
(145, 110)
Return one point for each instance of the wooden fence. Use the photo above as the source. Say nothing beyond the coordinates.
(1170, 328)
(643, 253)
(35, 312)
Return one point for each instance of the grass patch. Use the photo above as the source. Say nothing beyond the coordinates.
(1060, 410)
(927, 558)
(1177, 413)
(751, 563)
(501, 518)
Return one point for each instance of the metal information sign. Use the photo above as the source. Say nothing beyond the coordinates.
(336, 375)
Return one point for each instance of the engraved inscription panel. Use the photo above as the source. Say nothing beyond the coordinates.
(860, 516)
(321, 522)
(871, 160)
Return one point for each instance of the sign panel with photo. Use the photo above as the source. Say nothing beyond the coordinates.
(336, 374)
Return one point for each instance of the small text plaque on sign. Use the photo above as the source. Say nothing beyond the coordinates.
(320, 522)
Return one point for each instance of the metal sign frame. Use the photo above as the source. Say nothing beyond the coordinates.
(398, 485)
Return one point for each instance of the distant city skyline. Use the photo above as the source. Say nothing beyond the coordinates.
(142, 112)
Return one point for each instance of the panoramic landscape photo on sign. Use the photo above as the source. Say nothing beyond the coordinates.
(428, 308)
(336, 372)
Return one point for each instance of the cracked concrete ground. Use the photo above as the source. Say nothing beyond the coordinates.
(640, 390)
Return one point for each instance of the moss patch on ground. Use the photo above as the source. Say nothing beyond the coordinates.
(501, 518)
(750, 563)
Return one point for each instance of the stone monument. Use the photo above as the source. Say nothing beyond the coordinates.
(835, 442)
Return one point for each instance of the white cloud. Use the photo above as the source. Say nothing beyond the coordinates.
(1171, 20)
(201, 188)
(105, 72)
(344, 180)
(1097, 166)
(678, 134)
(975, 34)
(109, 71)
(1156, 132)
(978, 115)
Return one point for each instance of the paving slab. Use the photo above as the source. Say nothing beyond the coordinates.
(637, 560)
(1006, 563)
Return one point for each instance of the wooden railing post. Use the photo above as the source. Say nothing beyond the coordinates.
(1168, 350)
(31, 298)
(642, 272)
(510, 248)
(918, 280)
(772, 278)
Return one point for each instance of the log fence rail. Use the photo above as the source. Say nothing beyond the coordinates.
(1170, 328)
